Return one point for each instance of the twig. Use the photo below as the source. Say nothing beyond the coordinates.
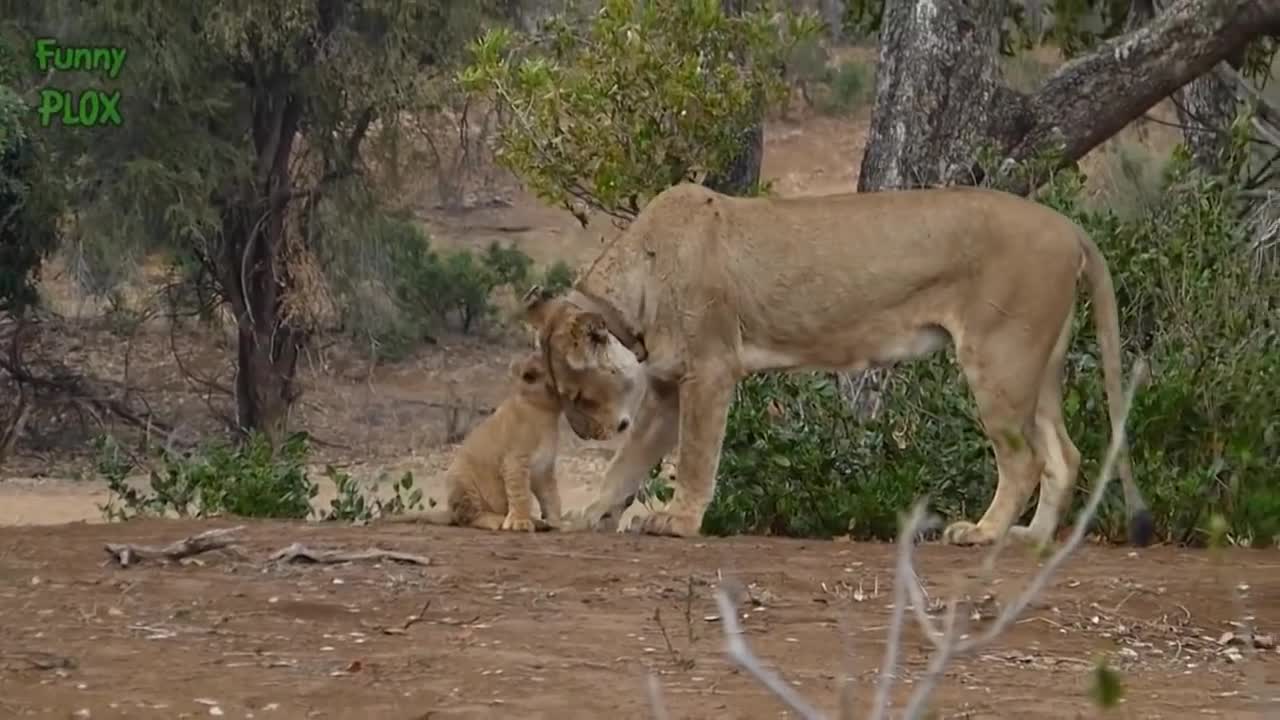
(656, 704)
(413, 620)
(742, 655)
(905, 540)
(125, 553)
(298, 551)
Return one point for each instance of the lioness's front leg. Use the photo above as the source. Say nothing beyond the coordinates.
(652, 437)
(704, 410)
(547, 489)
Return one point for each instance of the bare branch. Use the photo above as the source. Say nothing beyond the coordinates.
(742, 655)
(656, 704)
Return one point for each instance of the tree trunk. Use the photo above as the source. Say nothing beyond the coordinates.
(937, 101)
(833, 16)
(1206, 108)
(935, 83)
(743, 172)
(254, 276)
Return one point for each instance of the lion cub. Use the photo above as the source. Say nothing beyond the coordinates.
(507, 457)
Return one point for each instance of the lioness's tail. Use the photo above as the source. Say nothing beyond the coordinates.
(441, 516)
(1107, 321)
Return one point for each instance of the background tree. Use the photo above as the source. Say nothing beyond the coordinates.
(242, 120)
(29, 207)
(1085, 102)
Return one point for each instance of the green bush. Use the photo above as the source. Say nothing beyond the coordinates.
(399, 291)
(1205, 434)
(351, 503)
(850, 88)
(558, 277)
(645, 95)
(29, 205)
(249, 480)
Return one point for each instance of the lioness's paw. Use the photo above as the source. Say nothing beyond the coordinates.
(518, 523)
(967, 533)
(1030, 535)
(584, 521)
(662, 523)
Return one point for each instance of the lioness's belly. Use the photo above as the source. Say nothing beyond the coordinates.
(854, 351)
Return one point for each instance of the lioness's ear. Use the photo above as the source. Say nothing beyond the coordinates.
(536, 305)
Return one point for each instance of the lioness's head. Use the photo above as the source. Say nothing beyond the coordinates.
(599, 381)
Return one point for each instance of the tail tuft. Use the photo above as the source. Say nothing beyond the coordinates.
(1142, 528)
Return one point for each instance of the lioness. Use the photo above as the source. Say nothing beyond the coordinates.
(508, 455)
(704, 289)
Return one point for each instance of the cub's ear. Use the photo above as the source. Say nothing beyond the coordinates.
(537, 305)
(528, 369)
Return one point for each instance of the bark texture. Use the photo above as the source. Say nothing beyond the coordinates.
(935, 83)
(1206, 108)
(1094, 96)
(937, 99)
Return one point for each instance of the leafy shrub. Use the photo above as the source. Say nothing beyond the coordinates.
(558, 277)
(1206, 435)
(850, 88)
(400, 291)
(647, 95)
(352, 504)
(28, 203)
(249, 480)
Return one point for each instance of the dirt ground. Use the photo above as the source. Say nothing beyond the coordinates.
(568, 626)
(553, 625)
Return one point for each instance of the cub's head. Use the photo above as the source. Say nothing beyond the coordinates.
(532, 382)
(599, 381)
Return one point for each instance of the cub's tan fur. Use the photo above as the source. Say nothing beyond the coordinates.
(704, 289)
(507, 459)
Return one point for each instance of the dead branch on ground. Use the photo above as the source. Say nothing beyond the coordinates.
(90, 394)
(298, 551)
(949, 642)
(126, 553)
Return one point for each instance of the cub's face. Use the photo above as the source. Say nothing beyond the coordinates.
(599, 380)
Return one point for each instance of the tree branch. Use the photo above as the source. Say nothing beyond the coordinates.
(1093, 97)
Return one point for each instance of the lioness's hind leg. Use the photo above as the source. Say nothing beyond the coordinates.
(546, 489)
(1004, 375)
(1061, 457)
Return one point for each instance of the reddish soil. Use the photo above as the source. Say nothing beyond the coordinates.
(568, 625)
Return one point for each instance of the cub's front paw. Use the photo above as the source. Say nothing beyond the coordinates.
(518, 523)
